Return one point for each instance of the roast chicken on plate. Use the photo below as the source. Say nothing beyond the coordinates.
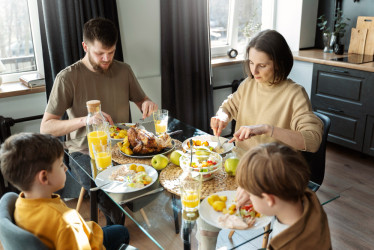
(145, 142)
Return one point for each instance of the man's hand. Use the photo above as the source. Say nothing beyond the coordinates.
(148, 107)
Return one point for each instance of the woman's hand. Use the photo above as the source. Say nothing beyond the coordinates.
(246, 132)
(219, 122)
(242, 197)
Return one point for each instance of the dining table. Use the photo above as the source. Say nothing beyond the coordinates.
(156, 210)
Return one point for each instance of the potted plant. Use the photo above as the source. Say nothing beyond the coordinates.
(339, 30)
(322, 24)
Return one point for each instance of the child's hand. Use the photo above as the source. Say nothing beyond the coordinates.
(242, 197)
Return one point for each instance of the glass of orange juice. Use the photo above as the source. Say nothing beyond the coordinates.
(190, 188)
(160, 118)
(103, 156)
(96, 138)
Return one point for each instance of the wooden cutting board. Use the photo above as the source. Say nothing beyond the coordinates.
(358, 39)
(367, 22)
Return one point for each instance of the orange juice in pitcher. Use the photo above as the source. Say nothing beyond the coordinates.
(97, 126)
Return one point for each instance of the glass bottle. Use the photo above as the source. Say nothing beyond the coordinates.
(96, 125)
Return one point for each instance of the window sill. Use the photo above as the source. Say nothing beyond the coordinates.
(225, 60)
(11, 89)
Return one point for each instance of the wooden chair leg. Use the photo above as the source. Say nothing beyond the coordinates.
(266, 236)
(231, 234)
(80, 199)
(145, 217)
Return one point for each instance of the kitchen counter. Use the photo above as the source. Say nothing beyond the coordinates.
(317, 56)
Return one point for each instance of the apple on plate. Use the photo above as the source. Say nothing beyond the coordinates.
(174, 157)
(159, 161)
(230, 165)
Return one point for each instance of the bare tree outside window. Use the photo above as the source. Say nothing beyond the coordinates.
(232, 22)
(16, 44)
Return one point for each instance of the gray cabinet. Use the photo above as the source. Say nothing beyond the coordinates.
(346, 96)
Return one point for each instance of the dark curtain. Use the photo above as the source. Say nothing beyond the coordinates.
(185, 61)
(61, 28)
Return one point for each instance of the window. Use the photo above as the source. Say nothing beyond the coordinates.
(233, 21)
(20, 44)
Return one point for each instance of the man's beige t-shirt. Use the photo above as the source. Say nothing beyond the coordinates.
(76, 84)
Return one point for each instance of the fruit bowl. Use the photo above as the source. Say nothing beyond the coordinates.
(205, 162)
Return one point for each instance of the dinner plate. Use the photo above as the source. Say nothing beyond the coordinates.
(123, 125)
(120, 186)
(164, 151)
(209, 215)
(227, 147)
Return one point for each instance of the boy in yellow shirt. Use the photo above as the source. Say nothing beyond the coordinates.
(34, 164)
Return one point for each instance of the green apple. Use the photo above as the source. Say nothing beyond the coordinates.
(159, 161)
(231, 165)
(174, 157)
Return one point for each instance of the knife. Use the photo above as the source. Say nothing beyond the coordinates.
(176, 132)
(142, 195)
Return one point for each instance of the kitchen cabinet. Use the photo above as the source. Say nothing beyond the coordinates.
(347, 97)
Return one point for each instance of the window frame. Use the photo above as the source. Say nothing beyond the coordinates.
(37, 42)
(267, 19)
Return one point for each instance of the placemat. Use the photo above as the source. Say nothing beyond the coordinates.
(221, 181)
(168, 177)
(119, 158)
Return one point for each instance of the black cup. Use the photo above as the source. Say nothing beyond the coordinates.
(339, 49)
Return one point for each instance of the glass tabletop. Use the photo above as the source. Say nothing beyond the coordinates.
(162, 209)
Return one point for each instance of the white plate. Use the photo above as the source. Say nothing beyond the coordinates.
(120, 186)
(209, 215)
(227, 147)
(163, 152)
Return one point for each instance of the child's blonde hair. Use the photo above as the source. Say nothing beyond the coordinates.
(273, 169)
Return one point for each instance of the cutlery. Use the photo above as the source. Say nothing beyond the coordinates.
(99, 187)
(218, 148)
(142, 195)
(176, 132)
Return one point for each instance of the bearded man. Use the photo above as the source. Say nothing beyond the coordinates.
(95, 77)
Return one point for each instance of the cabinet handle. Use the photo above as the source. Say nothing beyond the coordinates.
(340, 71)
(335, 110)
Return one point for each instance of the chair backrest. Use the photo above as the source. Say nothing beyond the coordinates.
(317, 160)
(12, 236)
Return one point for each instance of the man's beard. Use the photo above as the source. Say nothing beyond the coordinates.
(97, 66)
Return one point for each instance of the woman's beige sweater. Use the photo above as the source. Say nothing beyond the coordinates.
(285, 105)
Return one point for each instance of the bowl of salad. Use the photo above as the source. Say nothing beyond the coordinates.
(204, 161)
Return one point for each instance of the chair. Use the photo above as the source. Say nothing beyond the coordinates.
(317, 160)
(12, 236)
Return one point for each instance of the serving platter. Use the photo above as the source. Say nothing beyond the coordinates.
(145, 156)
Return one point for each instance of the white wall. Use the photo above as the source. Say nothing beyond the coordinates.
(296, 21)
(302, 73)
(140, 30)
(24, 106)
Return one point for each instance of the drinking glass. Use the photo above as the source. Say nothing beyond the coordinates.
(103, 156)
(160, 118)
(190, 188)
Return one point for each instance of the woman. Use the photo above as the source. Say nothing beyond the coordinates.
(267, 106)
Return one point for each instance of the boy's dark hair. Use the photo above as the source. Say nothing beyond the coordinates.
(24, 155)
(275, 169)
(275, 46)
(102, 30)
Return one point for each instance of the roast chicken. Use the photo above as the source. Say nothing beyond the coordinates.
(145, 142)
